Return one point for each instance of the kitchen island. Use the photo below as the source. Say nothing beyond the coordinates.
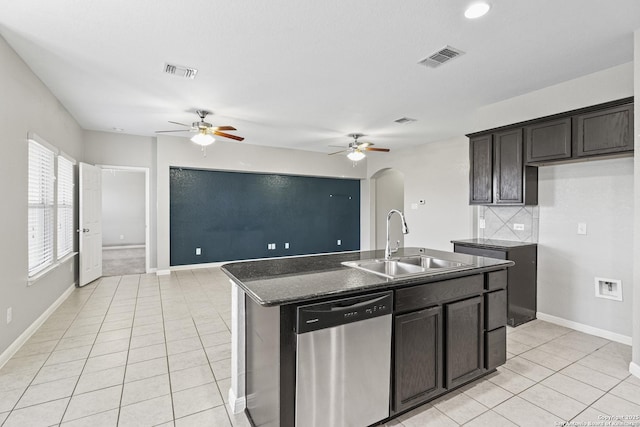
(435, 329)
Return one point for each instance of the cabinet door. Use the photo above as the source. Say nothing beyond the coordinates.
(481, 173)
(508, 168)
(464, 338)
(548, 141)
(418, 357)
(604, 132)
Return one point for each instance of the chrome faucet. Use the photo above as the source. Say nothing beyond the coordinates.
(405, 230)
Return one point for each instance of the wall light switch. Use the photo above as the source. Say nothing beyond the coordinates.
(582, 228)
(482, 223)
(122, 237)
(198, 251)
(518, 227)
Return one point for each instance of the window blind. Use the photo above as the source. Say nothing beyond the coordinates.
(65, 206)
(40, 207)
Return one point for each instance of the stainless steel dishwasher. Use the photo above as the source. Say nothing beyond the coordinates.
(343, 362)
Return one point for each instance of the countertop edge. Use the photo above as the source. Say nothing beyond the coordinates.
(383, 284)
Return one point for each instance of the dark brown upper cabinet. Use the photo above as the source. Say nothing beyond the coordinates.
(606, 131)
(481, 172)
(549, 140)
(497, 174)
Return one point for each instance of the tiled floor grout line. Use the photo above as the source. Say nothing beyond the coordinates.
(126, 362)
(166, 348)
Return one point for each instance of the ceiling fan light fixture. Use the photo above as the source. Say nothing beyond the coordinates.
(356, 155)
(203, 139)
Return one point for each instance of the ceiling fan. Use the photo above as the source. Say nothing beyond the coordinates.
(355, 151)
(205, 130)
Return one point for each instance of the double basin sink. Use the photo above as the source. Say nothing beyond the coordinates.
(405, 266)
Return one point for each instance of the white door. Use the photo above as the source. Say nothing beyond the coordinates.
(90, 223)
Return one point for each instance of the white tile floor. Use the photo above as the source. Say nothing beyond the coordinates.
(142, 350)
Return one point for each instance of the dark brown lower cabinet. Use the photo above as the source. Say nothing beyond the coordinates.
(418, 357)
(496, 348)
(464, 338)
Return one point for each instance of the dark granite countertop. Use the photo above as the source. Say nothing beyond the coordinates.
(492, 243)
(290, 280)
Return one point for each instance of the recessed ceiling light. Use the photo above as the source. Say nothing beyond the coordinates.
(476, 10)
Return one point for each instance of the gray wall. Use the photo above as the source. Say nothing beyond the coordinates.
(27, 106)
(123, 207)
(597, 193)
(389, 187)
(438, 173)
(116, 149)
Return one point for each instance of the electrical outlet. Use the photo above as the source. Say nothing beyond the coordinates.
(122, 237)
(582, 228)
(198, 251)
(482, 223)
(518, 227)
(286, 245)
(339, 242)
(9, 315)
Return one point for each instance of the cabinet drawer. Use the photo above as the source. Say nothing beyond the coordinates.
(489, 253)
(421, 296)
(495, 309)
(497, 280)
(495, 348)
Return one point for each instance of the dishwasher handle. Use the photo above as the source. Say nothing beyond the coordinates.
(339, 312)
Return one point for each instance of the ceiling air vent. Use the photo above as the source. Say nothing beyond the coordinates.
(438, 58)
(180, 71)
(403, 120)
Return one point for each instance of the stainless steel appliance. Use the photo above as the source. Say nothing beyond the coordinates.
(343, 361)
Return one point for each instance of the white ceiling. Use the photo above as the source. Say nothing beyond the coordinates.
(304, 73)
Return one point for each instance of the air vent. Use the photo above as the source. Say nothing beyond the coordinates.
(438, 58)
(180, 71)
(403, 120)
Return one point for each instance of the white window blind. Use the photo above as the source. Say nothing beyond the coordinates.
(65, 206)
(41, 207)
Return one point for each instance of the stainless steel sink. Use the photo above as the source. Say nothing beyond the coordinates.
(404, 266)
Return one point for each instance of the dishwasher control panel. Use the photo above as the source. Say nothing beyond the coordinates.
(313, 317)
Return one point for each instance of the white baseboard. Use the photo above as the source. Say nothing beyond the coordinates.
(163, 272)
(634, 369)
(24, 337)
(108, 248)
(236, 405)
(623, 339)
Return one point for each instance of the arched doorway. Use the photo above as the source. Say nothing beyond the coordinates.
(388, 193)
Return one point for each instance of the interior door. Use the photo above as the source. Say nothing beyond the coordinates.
(90, 223)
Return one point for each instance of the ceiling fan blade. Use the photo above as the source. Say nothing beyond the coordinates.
(362, 145)
(338, 152)
(224, 128)
(226, 135)
(169, 131)
(384, 150)
(178, 123)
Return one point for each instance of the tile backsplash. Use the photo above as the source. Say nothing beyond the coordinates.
(499, 223)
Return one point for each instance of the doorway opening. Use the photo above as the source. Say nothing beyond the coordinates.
(388, 194)
(125, 219)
